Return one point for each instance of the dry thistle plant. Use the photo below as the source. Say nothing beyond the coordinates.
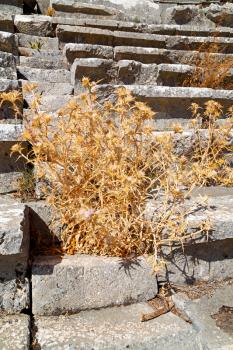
(12, 103)
(210, 68)
(50, 11)
(212, 149)
(104, 165)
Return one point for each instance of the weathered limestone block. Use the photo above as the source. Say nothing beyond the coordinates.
(12, 7)
(221, 15)
(7, 60)
(213, 326)
(133, 10)
(154, 55)
(43, 6)
(183, 14)
(14, 285)
(8, 43)
(6, 22)
(43, 63)
(75, 7)
(70, 34)
(15, 332)
(34, 24)
(9, 181)
(73, 51)
(93, 68)
(14, 251)
(8, 85)
(170, 102)
(14, 229)
(45, 88)
(82, 282)
(205, 258)
(25, 40)
(41, 54)
(9, 163)
(44, 75)
(51, 103)
(173, 74)
(114, 329)
(128, 72)
(10, 132)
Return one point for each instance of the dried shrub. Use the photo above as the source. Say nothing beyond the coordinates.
(50, 11)
(210, 68)
(104, 165)
(12, 103)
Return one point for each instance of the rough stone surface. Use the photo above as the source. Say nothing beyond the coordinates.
(14, 230)
(9, 181)
(170, 102)
(201, 312)
(10, 132)
(45, 75)
(73, 51)
(94, 68)
(14, 250)
(8, 85)
(6, 22)
(133, 10)
(77, 283)
(222, 15)
(206, 258)
(14, 332)
(115, 329)
(25, 40)
(8, 43)
(34, 24)
(12, 7)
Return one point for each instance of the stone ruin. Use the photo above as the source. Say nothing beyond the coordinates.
(88, 302)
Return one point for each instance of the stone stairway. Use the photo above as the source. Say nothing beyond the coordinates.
(150, 48)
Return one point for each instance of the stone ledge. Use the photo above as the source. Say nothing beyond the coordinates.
(115, 329)
(82, 282)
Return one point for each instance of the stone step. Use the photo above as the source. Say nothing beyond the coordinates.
(133, 72)
(170, 102)
(162, 29)
(209, 312)
(114, 329)
(70, 8)
(141, 54)
(43, 75)
(78, 34)
(81, 282)
(205, 259)
(51, 103)
(37, 24)
(45, 43)
(47, 88)
(153, 55)
(8, 43)
(43, 63)
(12, 7)
(129, 11)
(43, 54)
(6, 22)
(14, 252)
(15, 332)
(7, 66)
